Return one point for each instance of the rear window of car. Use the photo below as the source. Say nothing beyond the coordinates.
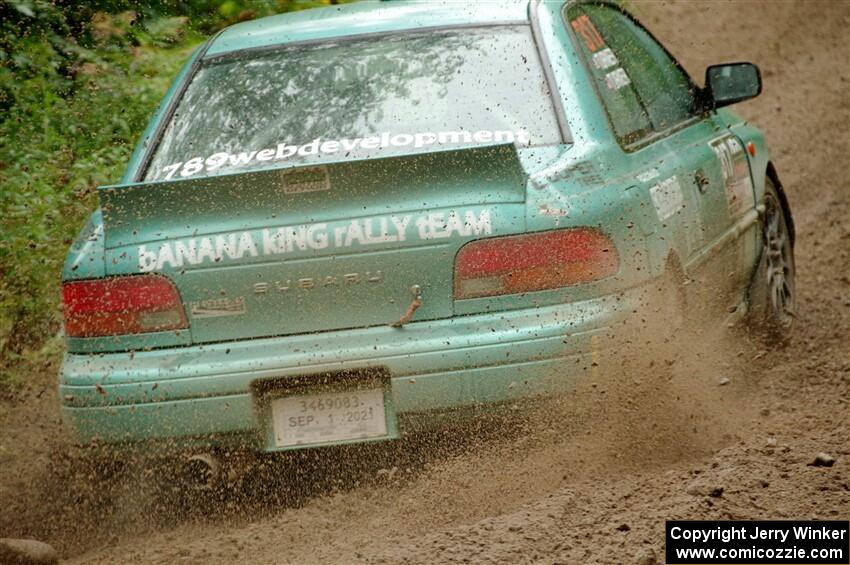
(360, 98)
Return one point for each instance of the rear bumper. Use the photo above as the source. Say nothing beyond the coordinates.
(204, 393)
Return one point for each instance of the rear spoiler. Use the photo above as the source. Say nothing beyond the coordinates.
(150, 211)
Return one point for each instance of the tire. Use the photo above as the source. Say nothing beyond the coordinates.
(773, 291)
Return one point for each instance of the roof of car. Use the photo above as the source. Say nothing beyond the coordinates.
(364, 17)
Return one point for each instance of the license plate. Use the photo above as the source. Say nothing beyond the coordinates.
(329, 417)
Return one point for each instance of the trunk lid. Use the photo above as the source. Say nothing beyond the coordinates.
(315, 248)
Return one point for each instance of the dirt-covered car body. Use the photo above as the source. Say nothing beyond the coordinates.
(458, 207)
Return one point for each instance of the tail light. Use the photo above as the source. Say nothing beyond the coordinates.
(122, 305)
(540, 261)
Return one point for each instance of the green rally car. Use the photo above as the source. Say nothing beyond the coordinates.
(340, 220)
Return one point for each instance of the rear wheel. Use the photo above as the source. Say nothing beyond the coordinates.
(772, 294)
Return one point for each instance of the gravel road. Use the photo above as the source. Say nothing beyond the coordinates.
(585, 479)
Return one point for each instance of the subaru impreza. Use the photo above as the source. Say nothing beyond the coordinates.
(344, 220)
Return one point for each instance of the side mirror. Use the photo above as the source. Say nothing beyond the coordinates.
(733, 82)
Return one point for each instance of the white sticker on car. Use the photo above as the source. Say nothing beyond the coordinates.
(736, 174)
(667, 197)
(648, 175)
(617, 79)
(306, 237)
(605, 59)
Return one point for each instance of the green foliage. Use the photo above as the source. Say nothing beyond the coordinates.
(77, 86)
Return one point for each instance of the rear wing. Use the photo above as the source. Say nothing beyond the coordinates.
(150, 211)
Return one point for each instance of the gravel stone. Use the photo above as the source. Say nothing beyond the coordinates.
(27, 552)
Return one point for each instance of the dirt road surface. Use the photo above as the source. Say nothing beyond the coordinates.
(585, 479)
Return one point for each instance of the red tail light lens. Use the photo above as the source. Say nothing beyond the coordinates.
(540, 261)
(122, 305)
